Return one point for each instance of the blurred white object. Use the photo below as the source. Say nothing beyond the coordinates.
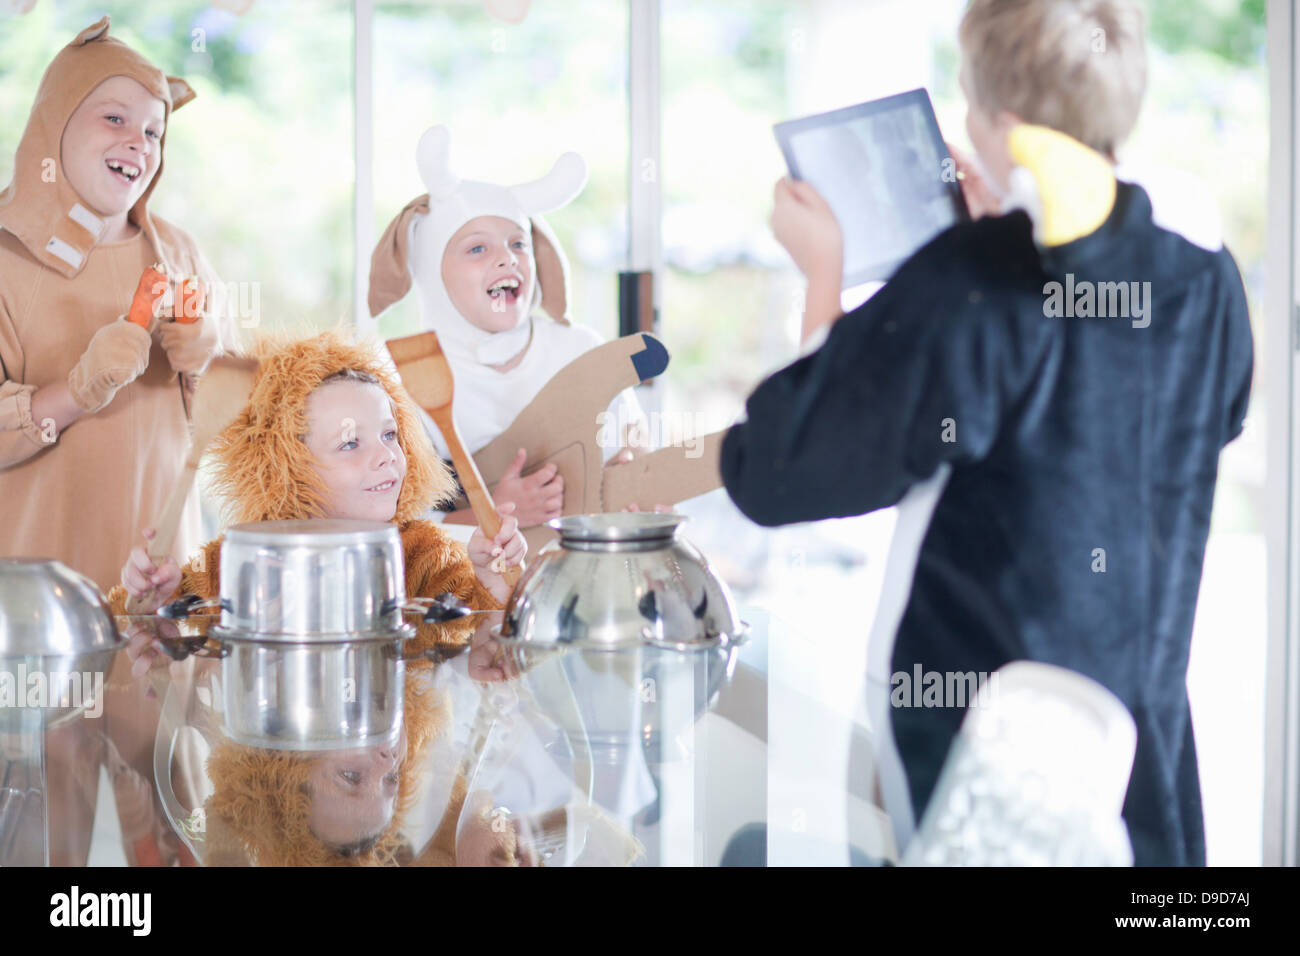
(1180, 202)
(511, 11)
(1036, 776)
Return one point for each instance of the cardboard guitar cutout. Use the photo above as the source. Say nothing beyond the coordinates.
(562, 425)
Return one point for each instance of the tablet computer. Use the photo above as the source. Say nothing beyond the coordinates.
(885, 171)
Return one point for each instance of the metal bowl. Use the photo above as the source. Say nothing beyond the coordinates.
(316, 580)
(615, 581)
(54, 623)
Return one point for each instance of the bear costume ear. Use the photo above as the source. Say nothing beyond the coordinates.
(181, 92)
(390, 277)
(92, 32)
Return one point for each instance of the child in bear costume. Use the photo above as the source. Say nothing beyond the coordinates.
(93, 407)
(269, 466)
(484, 261)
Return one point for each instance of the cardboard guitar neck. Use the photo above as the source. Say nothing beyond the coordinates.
(562, 424)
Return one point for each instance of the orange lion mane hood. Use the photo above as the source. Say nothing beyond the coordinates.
(262, 467)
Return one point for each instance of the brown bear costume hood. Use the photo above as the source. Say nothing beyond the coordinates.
(40, 206)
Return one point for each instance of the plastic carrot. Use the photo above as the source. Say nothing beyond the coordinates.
(152, 285)
(189, 300)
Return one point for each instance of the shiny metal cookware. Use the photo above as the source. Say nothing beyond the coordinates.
(312, 696)
(56, 623)
(615, 581)
(311, 634)
(312, 580)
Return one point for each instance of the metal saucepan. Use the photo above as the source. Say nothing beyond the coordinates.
(312, 580)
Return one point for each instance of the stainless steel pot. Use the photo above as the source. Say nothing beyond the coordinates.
(312, 696)
(311, 634)
(615, 581)
(316, 580)
(54, 623)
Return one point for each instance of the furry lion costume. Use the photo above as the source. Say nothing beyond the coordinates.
(263, 471)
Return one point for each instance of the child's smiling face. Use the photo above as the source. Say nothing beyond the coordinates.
(352, 434)
(489, 274)
(112, 147)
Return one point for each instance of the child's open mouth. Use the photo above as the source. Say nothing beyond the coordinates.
(124, 171)
(384, 486)
(505, 290)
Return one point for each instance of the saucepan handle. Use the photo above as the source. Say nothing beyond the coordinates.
(435, 610)
(189, 604)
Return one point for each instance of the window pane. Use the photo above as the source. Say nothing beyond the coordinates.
(731, 304)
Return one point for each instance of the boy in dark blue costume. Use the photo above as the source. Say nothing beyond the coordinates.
(1060, 380)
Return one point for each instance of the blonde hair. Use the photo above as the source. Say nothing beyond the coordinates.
(1078, 66)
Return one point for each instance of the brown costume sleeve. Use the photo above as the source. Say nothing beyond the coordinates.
(437, 564)
(20, 436)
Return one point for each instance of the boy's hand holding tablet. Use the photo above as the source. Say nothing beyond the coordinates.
(869, 185)
(804, 224)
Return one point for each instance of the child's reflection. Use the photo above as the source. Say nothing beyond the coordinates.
(348, 807)
(338, 808)
(353, 795)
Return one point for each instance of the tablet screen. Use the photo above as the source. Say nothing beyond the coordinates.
(886, 173)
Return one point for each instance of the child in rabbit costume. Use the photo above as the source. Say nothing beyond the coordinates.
(484, 262)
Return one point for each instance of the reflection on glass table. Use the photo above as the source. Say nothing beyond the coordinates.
(646, 756)
(554, 763)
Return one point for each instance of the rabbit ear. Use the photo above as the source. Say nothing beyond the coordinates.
(556, 188)
(433, 159)
(552, 271)
(390, 278)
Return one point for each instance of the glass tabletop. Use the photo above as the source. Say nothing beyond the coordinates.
(207, 752)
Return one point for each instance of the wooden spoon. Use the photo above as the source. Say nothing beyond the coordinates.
(427, 376)
(222, 393)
